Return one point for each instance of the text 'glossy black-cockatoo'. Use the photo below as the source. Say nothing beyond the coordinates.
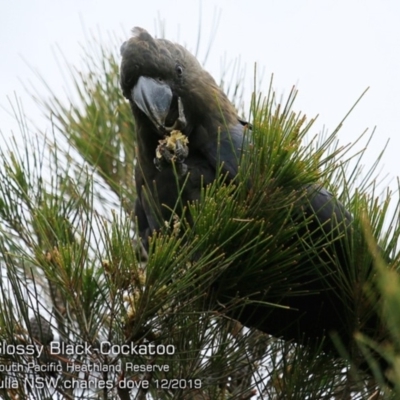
(188, 132)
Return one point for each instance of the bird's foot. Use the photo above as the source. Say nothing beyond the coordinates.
(172, 150)
(161, 164)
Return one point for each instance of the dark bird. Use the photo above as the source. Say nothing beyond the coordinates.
(169, 90)
(173, 97)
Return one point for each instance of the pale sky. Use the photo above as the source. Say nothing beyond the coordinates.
(332, 50)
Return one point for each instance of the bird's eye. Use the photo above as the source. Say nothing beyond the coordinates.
(179, 70)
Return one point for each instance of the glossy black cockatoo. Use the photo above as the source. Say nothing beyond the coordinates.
(170, 92)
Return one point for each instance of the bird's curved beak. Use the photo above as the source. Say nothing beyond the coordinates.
(162, 107)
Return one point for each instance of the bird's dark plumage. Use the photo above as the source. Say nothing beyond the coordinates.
(169, 90)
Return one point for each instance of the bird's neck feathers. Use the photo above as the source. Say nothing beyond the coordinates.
(209, 106)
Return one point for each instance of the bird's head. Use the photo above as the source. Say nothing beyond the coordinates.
(166, 84)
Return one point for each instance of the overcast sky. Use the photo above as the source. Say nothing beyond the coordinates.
(331, 50)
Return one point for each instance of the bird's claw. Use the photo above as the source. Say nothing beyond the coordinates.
(181, 152)
(172, 150)
(161, 164)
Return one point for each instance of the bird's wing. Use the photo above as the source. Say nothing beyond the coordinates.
(325, 205)
(225, 151)
(328, 217)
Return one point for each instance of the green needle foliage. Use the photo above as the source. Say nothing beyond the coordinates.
(159, 326)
